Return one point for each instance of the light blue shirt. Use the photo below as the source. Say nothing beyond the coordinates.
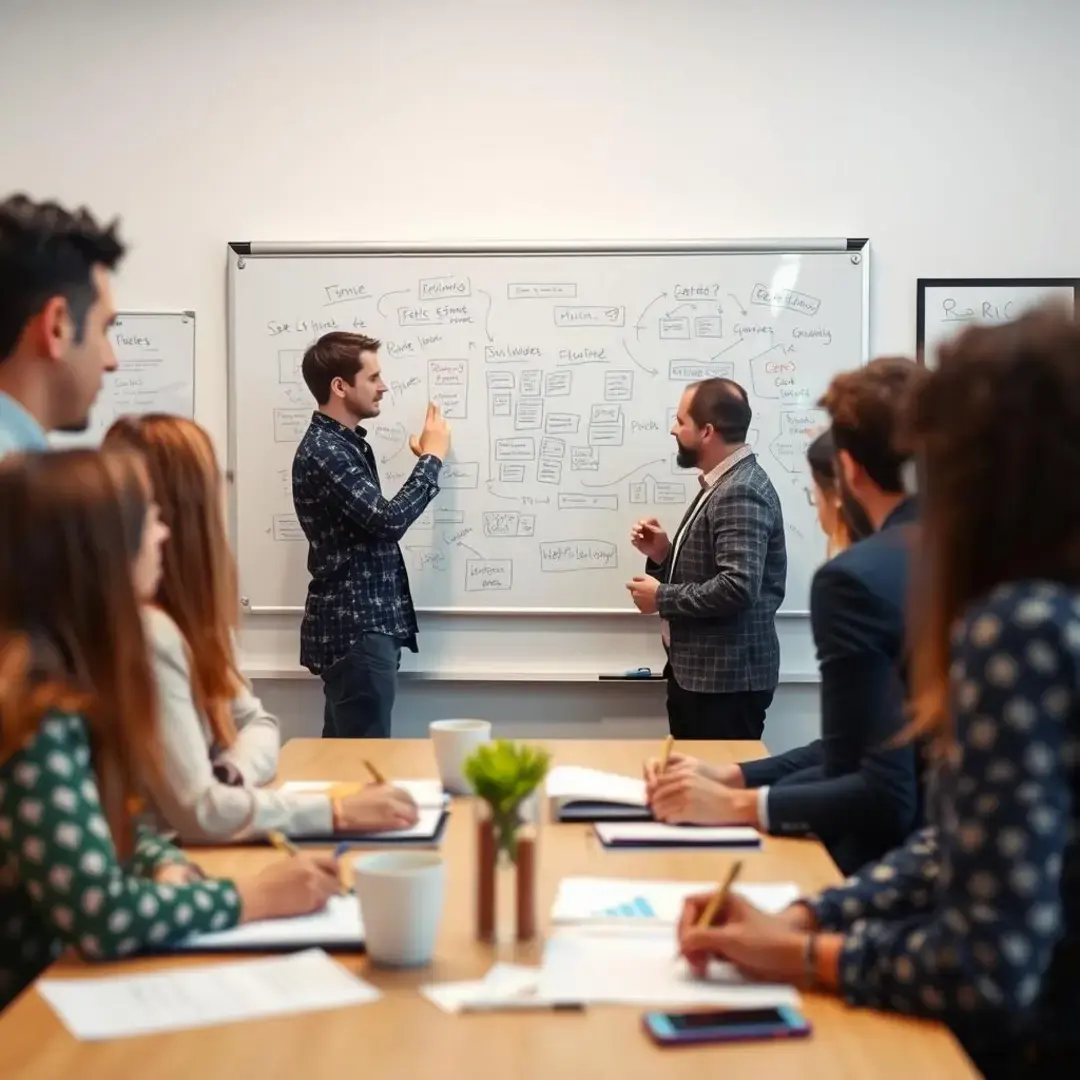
(18, 429)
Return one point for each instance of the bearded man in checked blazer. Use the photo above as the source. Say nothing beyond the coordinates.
(718, 582)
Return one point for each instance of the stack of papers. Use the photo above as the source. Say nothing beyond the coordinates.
(429, 796)
(338, 926)
(609, 965)
(650, 834)
(629, 902)
(579, 794)
(123, 1005)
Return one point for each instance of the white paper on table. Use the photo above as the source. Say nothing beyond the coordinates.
(631, 833)
(625, 900)
(612, 966)
(570, 783)
(337, 925)
(425, 793)
(122, 1005)
(504, 982)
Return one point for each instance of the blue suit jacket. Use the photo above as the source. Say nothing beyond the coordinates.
(856, 793)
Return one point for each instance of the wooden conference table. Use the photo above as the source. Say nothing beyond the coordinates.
(403, 1036)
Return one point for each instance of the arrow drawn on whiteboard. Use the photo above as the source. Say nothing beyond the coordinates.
(651, 371)
(396, 292)
(487, 314)
(498, 495)
(679, 307)
(473, 550)
(638, 321)
(737, 301)
(612, 483)
(728, 348)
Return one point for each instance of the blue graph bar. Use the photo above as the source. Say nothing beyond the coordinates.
(644, 908)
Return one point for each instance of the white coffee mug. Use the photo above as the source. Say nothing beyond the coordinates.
(401, 901)
(454, 741)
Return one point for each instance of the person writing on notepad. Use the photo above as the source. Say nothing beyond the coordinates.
(975, 921)
(853, 788)
(78, 531)
(218, 742)
(359, 611)
(718, 583)
(56, 309)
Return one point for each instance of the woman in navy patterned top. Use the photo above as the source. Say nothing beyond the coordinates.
(975, 921)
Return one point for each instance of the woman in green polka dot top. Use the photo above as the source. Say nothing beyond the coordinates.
(78, 533)
(975, 921)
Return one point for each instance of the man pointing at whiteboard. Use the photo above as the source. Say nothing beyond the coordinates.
(359, 611)
(718, 583)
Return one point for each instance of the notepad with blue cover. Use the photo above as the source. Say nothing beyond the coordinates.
(337, 928)
(653, 834)
(580, 794)
(432, 806)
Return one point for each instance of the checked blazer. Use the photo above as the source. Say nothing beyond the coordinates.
(728, 579)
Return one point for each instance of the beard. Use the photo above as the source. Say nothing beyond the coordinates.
(687, 456)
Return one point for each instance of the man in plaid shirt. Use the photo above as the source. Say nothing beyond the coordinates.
(359, 611)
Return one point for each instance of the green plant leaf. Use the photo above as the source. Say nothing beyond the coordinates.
(504, 773)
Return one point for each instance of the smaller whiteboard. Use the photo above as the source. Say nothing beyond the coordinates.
(155, 351)
(947, 305)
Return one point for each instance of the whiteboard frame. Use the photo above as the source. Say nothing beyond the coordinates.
(922, 285)
(238, 251)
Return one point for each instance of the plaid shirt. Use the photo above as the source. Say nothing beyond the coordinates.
(358, 579)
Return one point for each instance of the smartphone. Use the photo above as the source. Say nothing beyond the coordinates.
(725, 1025)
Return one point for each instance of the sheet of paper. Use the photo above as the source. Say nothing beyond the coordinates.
(654, 832)
(337, 925)
(625, 900)
(509, 983)
(123, 1005)
(425, 793)
(613, 966)
(569, 782)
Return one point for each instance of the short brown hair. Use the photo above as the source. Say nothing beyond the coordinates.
(724, 404)
(866, 407)
(334, 356)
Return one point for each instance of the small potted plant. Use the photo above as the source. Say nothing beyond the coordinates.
(505, 776)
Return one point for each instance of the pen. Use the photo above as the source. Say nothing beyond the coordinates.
(343, 870)
(375, 774)
(282, 842)
(669, 742)
(714, 906)
(522, 1004)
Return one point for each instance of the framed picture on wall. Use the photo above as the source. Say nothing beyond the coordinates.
(946, 305)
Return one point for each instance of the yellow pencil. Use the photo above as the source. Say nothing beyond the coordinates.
(282, 842)
(716, 904)
(669, 742)
(375, 774)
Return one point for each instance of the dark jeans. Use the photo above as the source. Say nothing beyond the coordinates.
(360, 688)
(693, 715)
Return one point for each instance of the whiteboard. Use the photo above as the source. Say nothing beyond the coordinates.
(946, 305)
(155, 354)
(559, 370)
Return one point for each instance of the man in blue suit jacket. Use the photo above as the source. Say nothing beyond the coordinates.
(853, 788)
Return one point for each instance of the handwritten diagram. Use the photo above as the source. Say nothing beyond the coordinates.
(560, 377)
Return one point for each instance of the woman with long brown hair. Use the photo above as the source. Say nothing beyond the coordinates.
(79, 535)
(219, 743)
(976, 920)
(842, 520)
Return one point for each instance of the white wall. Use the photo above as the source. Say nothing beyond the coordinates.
(941, 129)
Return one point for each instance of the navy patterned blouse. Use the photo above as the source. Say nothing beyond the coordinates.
(976, 920)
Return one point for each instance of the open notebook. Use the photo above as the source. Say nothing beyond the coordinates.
(580, 794)
(431, 801)
(337, 927)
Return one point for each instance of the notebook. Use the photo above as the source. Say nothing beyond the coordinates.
(337, 927)
(652, 834)
(580, 794)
